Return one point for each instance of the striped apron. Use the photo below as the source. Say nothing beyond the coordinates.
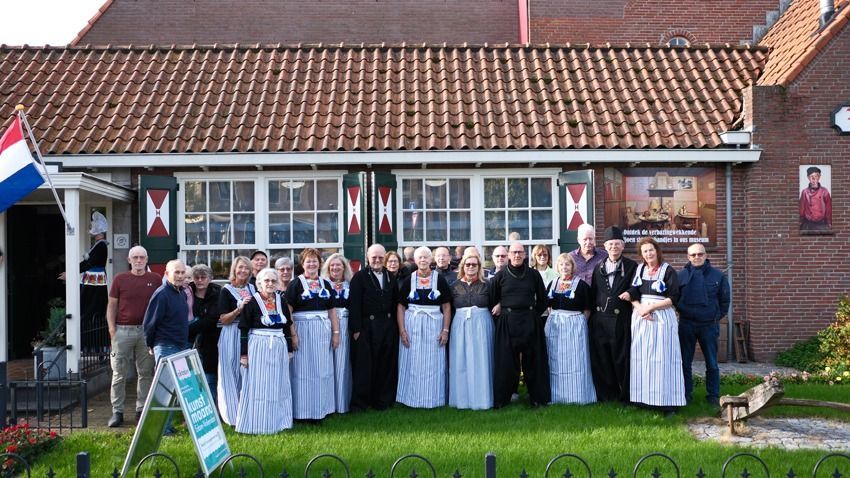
(422, 366)
(655, 373)
(567, 341)
(312, 369)
(342, 364)
(229, 371)
(265, 406)
(471, 359)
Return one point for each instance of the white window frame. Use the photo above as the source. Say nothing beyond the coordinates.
(476, 189)
(261, 181)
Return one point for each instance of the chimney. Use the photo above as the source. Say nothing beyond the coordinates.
(827, 10)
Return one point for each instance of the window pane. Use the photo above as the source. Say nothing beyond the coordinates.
(244, 228)
(541, 225)
(280, 231)
(220, 196)
(494, 226)
(302, 195)
(328, 223)
(220, 263)
(196, 257)
(243, 196)
(303, 226)
(460, 230)
(327, 195)
(220, 229)
(196, 196)
(518, 192)
(436, 226)
(459, 193)
(518, 222)
(411, 194)
(196, 229)
(279, 196)
(435, 193)
(412, 227)
(541, 192)
(494, 192)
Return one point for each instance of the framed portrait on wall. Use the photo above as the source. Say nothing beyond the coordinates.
(815, 199)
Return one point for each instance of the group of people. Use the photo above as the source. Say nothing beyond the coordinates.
(285, 343)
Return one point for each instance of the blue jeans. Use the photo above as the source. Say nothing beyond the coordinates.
(212, 381)
(160, 351)
(706, 334)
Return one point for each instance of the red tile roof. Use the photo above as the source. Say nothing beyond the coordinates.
(84, 100)
(796, 39)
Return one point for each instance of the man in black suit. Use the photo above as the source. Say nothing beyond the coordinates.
(610, 321)
(373, 297)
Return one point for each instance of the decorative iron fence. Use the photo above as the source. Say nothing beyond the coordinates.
(59, 405)
(833, 465)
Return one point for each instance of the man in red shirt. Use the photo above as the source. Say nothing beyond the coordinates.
(815, 204)
(128, 298)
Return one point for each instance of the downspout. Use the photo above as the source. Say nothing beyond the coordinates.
(827, 10)
(730, 333)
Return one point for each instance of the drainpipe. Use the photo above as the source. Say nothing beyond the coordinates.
(827, 10)
(730, 333)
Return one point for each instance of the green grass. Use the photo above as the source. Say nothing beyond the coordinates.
(607, 436)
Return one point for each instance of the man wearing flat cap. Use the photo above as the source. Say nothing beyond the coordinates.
(610, 320)
(259, 261)
(815, 204)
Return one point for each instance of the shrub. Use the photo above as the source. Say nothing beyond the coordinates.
(803, 355)
(835, 339)
(25, 442)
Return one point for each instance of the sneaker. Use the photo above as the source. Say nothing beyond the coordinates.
(115, 420)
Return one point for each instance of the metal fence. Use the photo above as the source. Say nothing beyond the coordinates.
(55, 404)
(566, 465)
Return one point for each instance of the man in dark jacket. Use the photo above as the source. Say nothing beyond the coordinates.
(703, 300)
(373, 297)
(609, 327)
(165, 326)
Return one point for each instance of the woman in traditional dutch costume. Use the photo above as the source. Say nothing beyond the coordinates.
(655, 372)
(566, 336)
(265, 404)
(233, 298)
(337, 271)
(93, 290)
(471, 346)
(311, 302)
(424, 315)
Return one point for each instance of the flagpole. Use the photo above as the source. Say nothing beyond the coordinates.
(68, 228)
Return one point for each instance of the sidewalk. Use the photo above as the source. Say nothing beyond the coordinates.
(759, 369)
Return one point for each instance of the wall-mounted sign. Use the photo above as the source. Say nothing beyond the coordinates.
(841, 118)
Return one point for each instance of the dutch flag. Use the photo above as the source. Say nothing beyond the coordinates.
(18, 173)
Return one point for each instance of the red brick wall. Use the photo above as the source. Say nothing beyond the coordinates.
(646, 21)
(289, 21)
(793, 281)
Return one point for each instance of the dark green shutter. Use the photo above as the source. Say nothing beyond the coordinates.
(384, 210)
(576, 191)
(158, 219)
(354, 233)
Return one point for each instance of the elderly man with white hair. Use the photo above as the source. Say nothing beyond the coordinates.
(587, 256)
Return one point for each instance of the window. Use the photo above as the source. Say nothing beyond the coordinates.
(224, 216)
(678, 41)
(477, 208)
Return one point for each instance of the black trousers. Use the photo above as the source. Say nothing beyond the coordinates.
(610, 343)
(374, 365)
(520, 346)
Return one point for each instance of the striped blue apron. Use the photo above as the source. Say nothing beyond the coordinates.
(422, 366)
(312, 370)
(265, 406)
(471, 359)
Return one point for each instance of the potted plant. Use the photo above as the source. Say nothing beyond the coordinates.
(51, 342)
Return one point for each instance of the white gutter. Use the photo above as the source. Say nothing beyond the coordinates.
(370, 158)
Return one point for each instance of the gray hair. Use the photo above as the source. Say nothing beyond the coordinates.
(423, 250)
(201, 270)
(137, 249)
(283, 261)
(268, 271)
(586, 228)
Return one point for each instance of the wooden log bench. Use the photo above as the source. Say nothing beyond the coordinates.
(763, 396)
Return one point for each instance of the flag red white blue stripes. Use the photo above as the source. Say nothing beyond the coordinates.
(18, 173)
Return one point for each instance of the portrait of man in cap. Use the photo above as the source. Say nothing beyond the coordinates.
(815, 200)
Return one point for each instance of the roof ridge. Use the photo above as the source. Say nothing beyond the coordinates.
(100, 11)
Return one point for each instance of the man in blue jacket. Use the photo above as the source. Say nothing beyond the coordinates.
(703, 301)
(166, 326)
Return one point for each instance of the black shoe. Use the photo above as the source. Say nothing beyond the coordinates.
(669, 413)
(116, 420)
(138, 416)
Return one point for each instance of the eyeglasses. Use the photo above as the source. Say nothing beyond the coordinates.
(270, 281)
(698, 254)
(500, 255)
(470, 264)
(517, 252)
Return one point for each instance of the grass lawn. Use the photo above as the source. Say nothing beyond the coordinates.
(606, 436)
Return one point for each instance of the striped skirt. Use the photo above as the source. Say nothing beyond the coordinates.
(471, 359)
(312, 366)
(567, 341)
(342, 364)
(655, 372)
(422, 366)
(229, 373)
(265, 406)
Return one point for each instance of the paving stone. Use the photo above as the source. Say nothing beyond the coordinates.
(788, 433)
